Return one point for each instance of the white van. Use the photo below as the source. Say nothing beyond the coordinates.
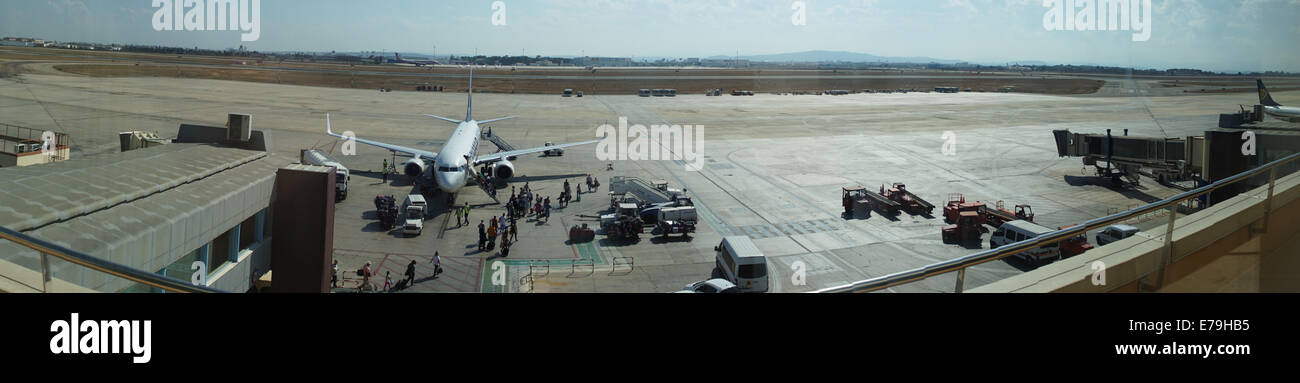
(1016, 231)
(1114, 233)
(742, 263)
(415, 210)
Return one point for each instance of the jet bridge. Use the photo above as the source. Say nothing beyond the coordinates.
(1126, 157)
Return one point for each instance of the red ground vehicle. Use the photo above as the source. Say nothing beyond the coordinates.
(1075, 245)
(967, 230)
(855, 201)
(957, 204)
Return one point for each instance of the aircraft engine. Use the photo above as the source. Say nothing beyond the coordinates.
(504, 170)
(414, 168)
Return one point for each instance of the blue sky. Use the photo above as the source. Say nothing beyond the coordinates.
(1206, 34)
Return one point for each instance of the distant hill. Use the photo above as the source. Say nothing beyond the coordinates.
(837, 56)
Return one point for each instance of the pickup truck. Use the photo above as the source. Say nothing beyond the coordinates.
(553, 152)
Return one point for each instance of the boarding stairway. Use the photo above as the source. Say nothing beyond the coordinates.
(501, 144)
(478, 180)
(640, 188)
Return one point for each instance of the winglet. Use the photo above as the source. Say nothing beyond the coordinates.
(328, 130)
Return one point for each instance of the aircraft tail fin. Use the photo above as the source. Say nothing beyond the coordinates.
(469, 105)
(1265, 98)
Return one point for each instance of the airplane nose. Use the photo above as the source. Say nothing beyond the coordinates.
(450, 182)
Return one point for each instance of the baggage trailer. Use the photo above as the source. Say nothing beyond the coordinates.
(998, 215)
(856, 202)
(386, 210)
(910, 202)
(882, 203)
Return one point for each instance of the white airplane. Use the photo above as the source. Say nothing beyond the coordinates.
(418, 63)
(1271, 107)
(455, 165)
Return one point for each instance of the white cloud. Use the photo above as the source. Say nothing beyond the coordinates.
(964, 5)
(69, 7)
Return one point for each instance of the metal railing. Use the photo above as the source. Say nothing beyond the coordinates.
(959, 265)
(573, 267)
(625, 261)
(46, 249)
(539, 264)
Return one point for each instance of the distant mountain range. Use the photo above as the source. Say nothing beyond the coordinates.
(837, 56)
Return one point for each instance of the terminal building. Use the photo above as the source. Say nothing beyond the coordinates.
(199, 209)
(603, 61)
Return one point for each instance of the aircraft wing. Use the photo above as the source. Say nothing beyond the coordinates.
(396, 148)
(495, 157)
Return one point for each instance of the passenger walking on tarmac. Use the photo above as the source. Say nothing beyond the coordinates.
(505, 247)
(388, 281)
(492, 234)
(437, 264)
(366, 274)
(482, 235)
(514, 231)
(410, 273)
(334, 274)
